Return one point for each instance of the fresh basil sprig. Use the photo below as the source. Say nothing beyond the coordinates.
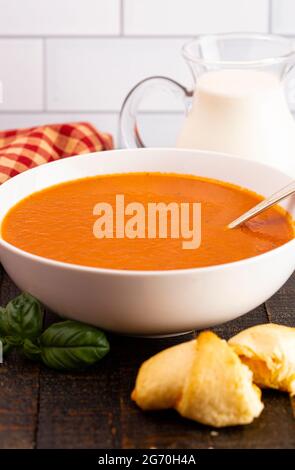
(64, 345)
(68, 345)
(21, 319)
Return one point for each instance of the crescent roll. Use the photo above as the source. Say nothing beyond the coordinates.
(203, 380)
(269, 351)
(160, 379)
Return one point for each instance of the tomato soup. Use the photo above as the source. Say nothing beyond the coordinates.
(58, 223)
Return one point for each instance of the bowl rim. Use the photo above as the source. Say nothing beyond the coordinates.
(132, 272)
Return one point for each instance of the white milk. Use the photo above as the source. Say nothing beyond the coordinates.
(242, 112)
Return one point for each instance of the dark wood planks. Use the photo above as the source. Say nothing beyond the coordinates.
(19, 391)
(231, 328)
(93, 403)
(81, 409)
(45, 409)
(281, 307)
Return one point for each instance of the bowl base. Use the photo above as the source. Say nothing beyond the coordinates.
(170, 335)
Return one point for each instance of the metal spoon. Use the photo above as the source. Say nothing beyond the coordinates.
(263, 205)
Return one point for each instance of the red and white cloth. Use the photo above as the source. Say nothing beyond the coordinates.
(21, 149)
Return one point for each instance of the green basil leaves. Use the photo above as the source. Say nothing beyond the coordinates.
(68, 345)
(64, 345)
(22, 318)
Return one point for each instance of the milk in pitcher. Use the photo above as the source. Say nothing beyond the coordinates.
(244, 113)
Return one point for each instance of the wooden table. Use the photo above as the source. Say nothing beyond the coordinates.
(41, 408)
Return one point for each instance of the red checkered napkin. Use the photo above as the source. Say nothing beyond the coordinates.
(21, 149)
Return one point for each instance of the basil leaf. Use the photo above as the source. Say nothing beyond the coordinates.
(72, 345)
(22, 318)
(9, 343)
(2, 321)
(31, 350)
(14, 341)
(6, 346)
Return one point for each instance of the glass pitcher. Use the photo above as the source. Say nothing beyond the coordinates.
(238, 102)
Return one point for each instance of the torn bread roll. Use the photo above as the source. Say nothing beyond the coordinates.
(203, 380)
(269, 351)
(160, 379)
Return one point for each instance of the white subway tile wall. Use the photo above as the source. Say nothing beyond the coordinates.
(96, 74)
(59, 17)
(161, 17)
(66, 60)
(283, 17)
(21, 74)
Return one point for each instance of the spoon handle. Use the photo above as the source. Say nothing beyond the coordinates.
(265, 204)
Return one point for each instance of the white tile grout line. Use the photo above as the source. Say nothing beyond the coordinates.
(82, 111)
(95, 36)
(119, 36)
(270, 5)
(121, 18)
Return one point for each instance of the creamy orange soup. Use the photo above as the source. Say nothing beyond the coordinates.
(57, 223)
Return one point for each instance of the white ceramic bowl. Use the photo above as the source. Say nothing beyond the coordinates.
(149, 302)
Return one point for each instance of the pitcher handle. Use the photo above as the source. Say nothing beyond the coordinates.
(128, 115)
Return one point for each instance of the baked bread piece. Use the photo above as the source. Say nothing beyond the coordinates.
(269, 351)
(219, 389)
(160, 379)
(203, 380)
